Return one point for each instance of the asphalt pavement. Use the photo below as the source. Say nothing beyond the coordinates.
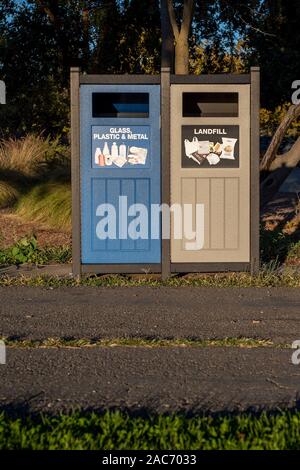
(152, 380)
(164, 379)
(146, 312)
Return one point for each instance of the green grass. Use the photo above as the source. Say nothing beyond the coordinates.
(294, 252)
(27, 251)
(116, 430)
(142, 342)
(264, 279)
(275, 245)
(48, 204)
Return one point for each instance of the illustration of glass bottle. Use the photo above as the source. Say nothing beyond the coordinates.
(107, 156)
(105, 149)
(123, 151)
(114, 150)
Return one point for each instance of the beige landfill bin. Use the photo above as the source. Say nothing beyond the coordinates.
(211, 169)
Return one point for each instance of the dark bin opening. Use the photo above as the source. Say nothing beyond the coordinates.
(120, 105)
(210, 104)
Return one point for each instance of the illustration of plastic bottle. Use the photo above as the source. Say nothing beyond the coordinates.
(107, 156)
(105, 149)
(123, 151)
(97, 155)
(114, 150)
(102, 160)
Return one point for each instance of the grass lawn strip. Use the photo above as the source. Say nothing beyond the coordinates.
(115, 430)
(288, 279)
(143, 342)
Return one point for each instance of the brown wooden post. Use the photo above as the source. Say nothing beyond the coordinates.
(165, 166)
(75, 162)
(255, 145)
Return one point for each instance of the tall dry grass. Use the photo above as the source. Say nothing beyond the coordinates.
(26, 156)
(28, 162)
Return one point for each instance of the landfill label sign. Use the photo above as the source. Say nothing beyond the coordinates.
(210, 147)
(120, 147)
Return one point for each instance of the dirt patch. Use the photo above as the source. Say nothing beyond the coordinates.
(13, 228)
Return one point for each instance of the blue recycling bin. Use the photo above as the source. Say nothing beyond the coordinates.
(120, 174)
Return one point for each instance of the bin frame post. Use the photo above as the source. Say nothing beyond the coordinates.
(165, 88)
(254, 171)
(75, 170)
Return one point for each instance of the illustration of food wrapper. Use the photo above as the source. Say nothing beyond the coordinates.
(217, 148)
(213, 159)
(228, 148)
(198, 158)
(137, 156)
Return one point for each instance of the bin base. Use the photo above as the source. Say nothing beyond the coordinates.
(209, 267)
(120, 268)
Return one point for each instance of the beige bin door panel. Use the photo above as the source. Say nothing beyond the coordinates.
(223, 191)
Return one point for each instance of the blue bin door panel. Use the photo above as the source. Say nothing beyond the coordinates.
(121, 188)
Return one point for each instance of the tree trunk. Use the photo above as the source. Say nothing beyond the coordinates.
(270, 155)
(182, 56)
(276, 168)
(167, 47)
(54, 18)
(180, 34)
(85, 37)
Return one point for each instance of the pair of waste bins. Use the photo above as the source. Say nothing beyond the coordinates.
(165, 173)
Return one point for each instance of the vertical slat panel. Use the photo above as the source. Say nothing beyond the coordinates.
(188, 196)
(217, 213)
(142, 194)
(98, 198)
(202, 197)
(232, 213)
(128, 190)
(113, 192)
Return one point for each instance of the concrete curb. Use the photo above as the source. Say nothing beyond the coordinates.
(27, 270)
